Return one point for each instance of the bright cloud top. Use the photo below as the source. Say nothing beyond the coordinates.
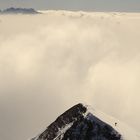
(51, 61)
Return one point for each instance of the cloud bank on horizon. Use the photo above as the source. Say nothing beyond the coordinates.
(50, 62)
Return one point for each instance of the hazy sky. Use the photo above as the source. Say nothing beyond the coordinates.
(96, 5)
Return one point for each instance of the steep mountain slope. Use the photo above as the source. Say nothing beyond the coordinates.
(82, 123)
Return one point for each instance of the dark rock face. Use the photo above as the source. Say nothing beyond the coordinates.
(19, 11)
(91, 129)
(83, 127)
(73, 114)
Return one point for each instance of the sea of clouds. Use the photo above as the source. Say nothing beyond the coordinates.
(51, 61)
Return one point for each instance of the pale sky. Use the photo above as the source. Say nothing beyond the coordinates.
(91, 5)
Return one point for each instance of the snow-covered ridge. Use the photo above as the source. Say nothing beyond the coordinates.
(81, 122)
(57, 129)
(127, 132)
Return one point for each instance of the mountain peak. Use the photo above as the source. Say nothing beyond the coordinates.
(78, 123)
(13, 10)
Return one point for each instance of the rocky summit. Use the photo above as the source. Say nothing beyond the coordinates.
(78, 123)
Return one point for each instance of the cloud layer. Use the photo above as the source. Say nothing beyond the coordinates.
(52, 61)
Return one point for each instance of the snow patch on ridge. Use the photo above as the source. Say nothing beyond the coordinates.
(126, 132)
(62, 131)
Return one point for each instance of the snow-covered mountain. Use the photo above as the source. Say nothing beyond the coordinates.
(81, 122)
(13, 10)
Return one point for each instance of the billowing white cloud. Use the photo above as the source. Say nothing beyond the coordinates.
(52, 61)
